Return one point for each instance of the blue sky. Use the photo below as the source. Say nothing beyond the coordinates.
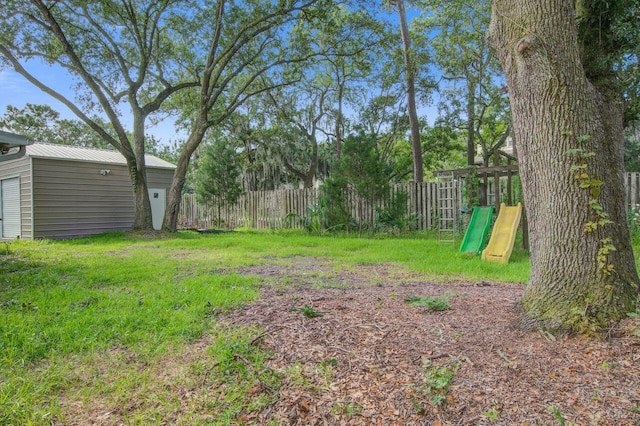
(17, 91)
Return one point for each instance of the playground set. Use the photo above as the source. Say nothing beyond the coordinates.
(488, 188)
(503, 236)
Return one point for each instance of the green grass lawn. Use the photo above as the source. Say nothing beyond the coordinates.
(93, 319)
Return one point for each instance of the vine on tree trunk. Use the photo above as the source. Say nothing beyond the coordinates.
(601, 218)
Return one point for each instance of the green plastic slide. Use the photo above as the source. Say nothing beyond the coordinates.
(476, 235)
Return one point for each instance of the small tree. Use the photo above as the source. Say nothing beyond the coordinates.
(333, 207)
(393, 217)
(362, 171)
(363, 168)
(217, 176)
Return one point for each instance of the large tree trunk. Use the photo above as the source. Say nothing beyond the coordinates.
(557, 108)
(138, 172)
(142, 217)
(410, 78)
(171, 215)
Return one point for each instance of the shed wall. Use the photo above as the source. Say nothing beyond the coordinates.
(73, 199)
(21, 168)
(159, 178)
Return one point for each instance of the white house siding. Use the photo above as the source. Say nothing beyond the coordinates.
(20, 168)
(73, 198)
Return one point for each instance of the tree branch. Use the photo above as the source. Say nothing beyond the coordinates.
(56, 95)
(125, 145)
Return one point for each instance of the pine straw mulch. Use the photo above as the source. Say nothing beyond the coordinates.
(367, 359)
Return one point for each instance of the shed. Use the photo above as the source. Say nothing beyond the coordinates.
(59, 191)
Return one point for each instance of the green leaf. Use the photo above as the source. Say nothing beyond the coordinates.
(590, 227)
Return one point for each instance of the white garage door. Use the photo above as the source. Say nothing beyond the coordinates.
(10, 208)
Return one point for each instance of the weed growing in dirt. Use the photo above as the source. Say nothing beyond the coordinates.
(324, 374)
(492, 414)
(434, 387)
(348, 409)
(437, 382)
(313, 378)
(557, 414)
(329, 362)
(295, 374)
(309, 378)
(430, 303)
(307, 311)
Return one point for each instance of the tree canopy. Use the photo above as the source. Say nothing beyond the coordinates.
(123, 57)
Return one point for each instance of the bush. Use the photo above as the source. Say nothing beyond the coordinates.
(394, 217)
(332, 206)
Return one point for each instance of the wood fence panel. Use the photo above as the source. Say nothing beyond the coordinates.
(424, 207)
(288, 207)
(632, 189)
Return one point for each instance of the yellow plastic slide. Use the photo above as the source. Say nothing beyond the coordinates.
(503, 235)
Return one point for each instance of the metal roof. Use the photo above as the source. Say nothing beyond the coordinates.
(90, 155)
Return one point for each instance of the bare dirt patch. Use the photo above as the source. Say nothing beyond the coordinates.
(373, 359)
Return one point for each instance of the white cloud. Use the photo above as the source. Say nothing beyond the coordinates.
(17, 91)
(12, 83)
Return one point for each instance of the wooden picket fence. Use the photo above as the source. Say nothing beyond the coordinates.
(287, 208)
(632, 188)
